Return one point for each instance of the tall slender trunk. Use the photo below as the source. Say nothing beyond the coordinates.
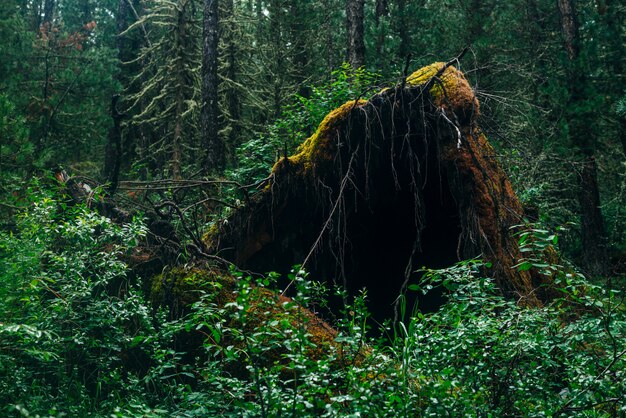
(300, 56)
(48, 12)
(232, 96)
(276, 75)
(177, 155)
(210, 83)
(583, 137)
(329, 40)
(403, 30)
(355, 12)
(476, 17)
(533, 29)
(592, 222)
(113, 151)
(613, 17)
(381, 11)
(86, 11)
(35, 20)
(176, 159)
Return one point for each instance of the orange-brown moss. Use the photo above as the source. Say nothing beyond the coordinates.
(494, 210)
(450, 90)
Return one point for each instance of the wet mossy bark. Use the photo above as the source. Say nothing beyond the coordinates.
(384, 187)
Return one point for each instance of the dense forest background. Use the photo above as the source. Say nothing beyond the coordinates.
(180, 107)
(114, 90)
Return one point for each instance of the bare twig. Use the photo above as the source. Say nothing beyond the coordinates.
(458, 131)
(198, 246)
(344, 182)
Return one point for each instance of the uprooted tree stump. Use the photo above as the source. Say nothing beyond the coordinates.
(385, 186)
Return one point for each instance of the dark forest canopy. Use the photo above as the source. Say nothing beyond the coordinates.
(273, 207)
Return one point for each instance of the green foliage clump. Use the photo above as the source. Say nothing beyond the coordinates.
(483, 354)
(69, 317)
(271, 366)
(479, 354)
(299, 120)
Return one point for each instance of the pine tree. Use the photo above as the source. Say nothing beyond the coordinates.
(168, 100)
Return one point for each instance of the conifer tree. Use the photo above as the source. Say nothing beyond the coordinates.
(169, 99)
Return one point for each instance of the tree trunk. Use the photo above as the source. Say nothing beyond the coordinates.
(381, 11)
(298, 39)
(613, 18)
(48, 12)
(176, 160)
(534, 31)
(476, 18)
(403, 31)
(86, 11)
(592, 222)
(275, 76)
(356, 44)
(35, 17)
(569, 28)
(580, 121)
(232, 96)
(329, 40)
(210, 83)
(113, 152)
(177, 155)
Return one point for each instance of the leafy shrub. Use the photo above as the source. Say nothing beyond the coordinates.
(299, 121)
(481, 354)
(268, 369)
(69, 314)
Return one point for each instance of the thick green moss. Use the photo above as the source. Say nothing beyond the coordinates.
(319, 147)
(450, 91)
(181, 287)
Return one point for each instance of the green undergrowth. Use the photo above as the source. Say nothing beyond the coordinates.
(78, 337)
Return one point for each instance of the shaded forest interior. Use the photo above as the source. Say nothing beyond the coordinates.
(203, 148)
(194, 90)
